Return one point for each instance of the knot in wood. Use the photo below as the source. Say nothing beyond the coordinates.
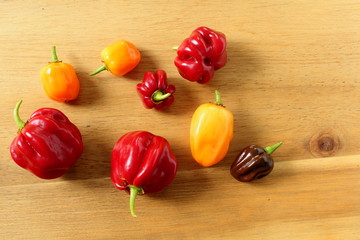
(324, 145)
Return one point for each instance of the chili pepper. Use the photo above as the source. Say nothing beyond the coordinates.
(211, 131)
(142, 163)
(253, 162)
(119, 58)
(59, 80)
(201, 54)
(48, 144)
(154, 90)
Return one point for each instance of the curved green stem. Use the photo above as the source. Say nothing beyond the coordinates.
(53, 54)
(270, 149)
(134, 191)
(20, 123)
(100, 69)
(159, 96)
(218, 98)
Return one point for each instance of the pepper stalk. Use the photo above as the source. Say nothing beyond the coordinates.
(134, 191)
(54, 56)
(100, 69)
(159, 96)
(218, 98)
(270, 149)
(20, 123)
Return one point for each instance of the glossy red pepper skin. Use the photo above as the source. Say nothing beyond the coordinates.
(154, 90)
(142, 163)
(201, 54)
(48, 144)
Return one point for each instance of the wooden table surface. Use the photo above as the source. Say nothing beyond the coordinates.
(293, 75)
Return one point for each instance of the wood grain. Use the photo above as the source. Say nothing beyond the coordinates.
(292, 75)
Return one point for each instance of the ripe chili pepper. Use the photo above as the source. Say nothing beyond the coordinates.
(253, 162)
(119, 58)
(201, 54)
(48, 144)
(59, 80)
(154, 90)
(142, 163)
(211, 131)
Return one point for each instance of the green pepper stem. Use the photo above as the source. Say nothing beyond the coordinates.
(217, 98)
(53, 54)
(134, 191)
(270, 149)
(100, 69)
(20, 123)
(159, 96)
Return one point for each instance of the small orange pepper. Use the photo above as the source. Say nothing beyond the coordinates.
(59, 80)
(211, 132)
(119, 58)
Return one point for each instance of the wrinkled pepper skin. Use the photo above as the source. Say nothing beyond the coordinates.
(154, 90)
(48, 144)
(211, 132)
(59, 80)
(253, 162)
(119, 58)
(142, 163)
(201, 54)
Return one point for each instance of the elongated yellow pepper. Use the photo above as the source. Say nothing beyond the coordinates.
(211, 132)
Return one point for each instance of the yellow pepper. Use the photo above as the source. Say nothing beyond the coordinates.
(211, 132)
(59, 80)
(119, 58)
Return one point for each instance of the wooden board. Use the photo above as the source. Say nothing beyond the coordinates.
(292, 75)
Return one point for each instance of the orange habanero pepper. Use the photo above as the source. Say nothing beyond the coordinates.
(119, 58)
(211, 131)
(59, 80)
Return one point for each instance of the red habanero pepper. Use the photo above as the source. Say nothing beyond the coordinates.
(154, 90)
(142, 163)
(48, 144)
(201, 54)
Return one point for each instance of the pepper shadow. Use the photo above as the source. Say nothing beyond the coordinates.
(283, 172)
(95, 160)
(89, 92)
(243, 63)
(241, 69)
(147, 63)
(242, 66)
(181, 190)
(186, 98)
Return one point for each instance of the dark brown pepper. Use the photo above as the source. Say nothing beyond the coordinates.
(253, 162)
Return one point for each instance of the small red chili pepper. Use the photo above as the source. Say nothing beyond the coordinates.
(253, 162)
(48, 144)
(201, 54)
(142, 163)
(154, 90)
